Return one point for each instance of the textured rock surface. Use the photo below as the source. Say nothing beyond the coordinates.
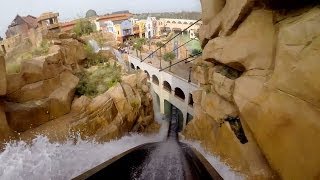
(5, 130)
(3, 78)
(121, 109)
(267, 70)
(221, 16)
(251, 45)
(44, 88)
(28, 115)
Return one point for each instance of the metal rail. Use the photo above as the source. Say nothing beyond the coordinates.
(191, 56)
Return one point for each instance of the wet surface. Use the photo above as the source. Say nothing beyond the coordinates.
(168, 160)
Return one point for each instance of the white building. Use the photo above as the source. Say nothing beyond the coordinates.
(151, 27)
(166, 25)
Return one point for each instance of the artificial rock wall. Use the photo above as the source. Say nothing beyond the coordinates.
(258, 105)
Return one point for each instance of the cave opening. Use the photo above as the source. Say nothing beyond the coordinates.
(236, 127)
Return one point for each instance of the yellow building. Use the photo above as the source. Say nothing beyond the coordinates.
(142, 28)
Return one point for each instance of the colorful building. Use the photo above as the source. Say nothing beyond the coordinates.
(151, 27)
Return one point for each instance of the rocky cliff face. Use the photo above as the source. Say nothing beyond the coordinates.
(40, 99)
(126, 107)
(258, 106)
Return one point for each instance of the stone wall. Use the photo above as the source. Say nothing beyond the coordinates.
(258, 106)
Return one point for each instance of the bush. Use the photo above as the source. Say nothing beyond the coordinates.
(196, 52)
(83, 27)
(98, 81)
(43, 49)
(93, 58)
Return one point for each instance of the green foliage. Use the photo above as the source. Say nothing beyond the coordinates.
(160, 44)
(43, 49)
(169, 57)
(93, 58)
(83, 27)
(100, 39)
(196, 52)
(98, 81)
(138, 43)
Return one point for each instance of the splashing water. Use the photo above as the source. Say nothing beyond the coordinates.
(44, 160)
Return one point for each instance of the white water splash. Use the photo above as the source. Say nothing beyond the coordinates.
(225, 171)
(44, 160)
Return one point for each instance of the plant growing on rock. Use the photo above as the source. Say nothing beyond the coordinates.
(97, 80)
(169, 57)
(94, 58)
(43, 49)
(83, 27)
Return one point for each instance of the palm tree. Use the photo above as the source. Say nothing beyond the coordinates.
(160, 45)
(169, 57)
(137, 45)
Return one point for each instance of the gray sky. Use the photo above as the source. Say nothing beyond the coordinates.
(70, 9)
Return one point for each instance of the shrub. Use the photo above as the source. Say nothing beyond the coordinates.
(94, 58)
(83, 27)
(98, 81)
(43, 49)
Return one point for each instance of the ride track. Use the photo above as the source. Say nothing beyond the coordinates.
(135, 163)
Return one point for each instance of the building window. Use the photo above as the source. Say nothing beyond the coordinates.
(179, 93)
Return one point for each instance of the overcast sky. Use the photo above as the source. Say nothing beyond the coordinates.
(70, 9)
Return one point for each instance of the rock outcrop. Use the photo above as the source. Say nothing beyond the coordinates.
(44, 88)
(122, 109)
(258, 106)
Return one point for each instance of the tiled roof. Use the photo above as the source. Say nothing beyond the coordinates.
(31, 21)
(115, 17)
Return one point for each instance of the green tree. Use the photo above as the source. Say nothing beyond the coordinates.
(83, 27)
(169, 57)
(137, 45)
(195, 52)
(160, 45)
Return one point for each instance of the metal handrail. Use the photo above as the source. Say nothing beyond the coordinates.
(191, 56)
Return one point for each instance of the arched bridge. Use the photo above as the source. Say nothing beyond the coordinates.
(170, 90)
